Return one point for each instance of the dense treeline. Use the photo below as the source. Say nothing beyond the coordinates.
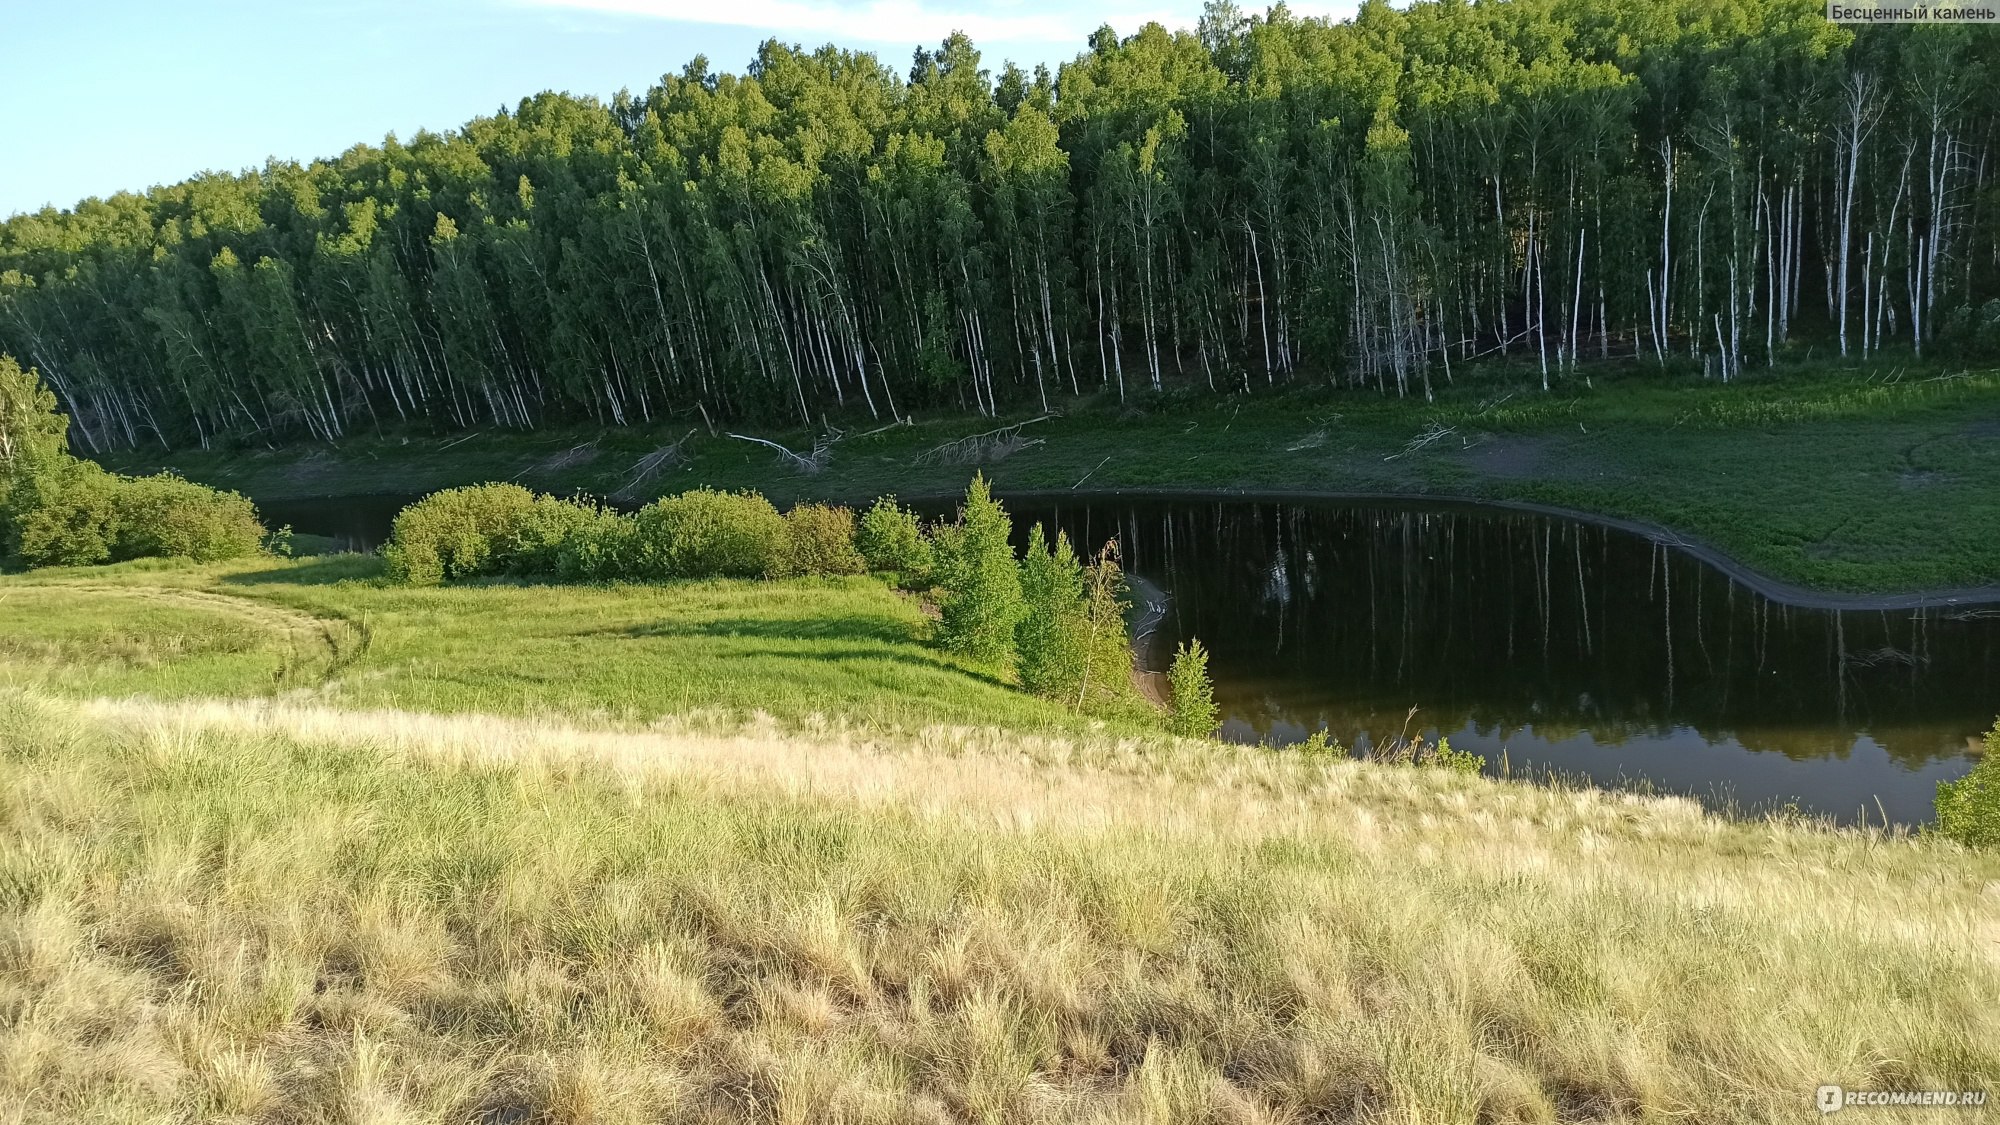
(1265, 201)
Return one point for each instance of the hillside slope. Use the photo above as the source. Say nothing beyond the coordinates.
(268, 910)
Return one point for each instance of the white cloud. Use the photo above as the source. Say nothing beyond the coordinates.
(897, 20)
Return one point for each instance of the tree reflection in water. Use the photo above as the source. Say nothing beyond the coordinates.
(1570, 646)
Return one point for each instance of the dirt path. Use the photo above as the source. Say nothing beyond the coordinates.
(315, 647)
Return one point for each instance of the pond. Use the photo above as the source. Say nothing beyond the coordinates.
(1540, 642)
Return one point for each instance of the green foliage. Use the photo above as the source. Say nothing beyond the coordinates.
(62, 514)
(891, 538)
(600, 549)
(1052, 639)
(1968, 809)
(979, 586)
(1442, 756)
(457, 533)
(1293, 202)
(1107, 673)
(32, 430)
(1191, 710)
(1321, 744)
(58, 510)
(166, 517)
(819, 540)
(709, 534)
(536, 542)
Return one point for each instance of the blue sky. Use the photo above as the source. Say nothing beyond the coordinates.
(104, 95)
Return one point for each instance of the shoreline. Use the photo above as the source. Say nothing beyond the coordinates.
(1772, 589)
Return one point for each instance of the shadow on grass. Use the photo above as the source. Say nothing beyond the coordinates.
(855, 629)
(828, 627)
(317, 570)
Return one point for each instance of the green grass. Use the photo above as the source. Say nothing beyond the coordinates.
(283, 842)
(332, 628)
(1871, 479)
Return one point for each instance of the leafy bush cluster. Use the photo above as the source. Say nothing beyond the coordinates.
(891, 539)
(60, 510)
(1969, 809)
(504, 529)
(1052, 618)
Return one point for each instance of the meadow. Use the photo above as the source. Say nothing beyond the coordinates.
(270, 911)
(332, 629)
(1861, 478)
(283, 842)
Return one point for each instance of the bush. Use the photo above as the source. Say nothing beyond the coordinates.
(890, 538)
(62, 514)
(536, 543)
(819, 540)
(167, 517)
(1107, 675)
(1969, 809)
(1321, 744)
(1457, 761)
(1052, 639)
(1191, 703)
(599, 549)
(709, 534)
(57, 510)
(980, 587)
(457, 533)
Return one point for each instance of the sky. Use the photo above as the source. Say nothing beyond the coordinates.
(110, 95)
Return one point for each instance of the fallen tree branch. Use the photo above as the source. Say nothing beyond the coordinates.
(1430, 436)
(982, 448)
(812, 464)
(1087, 476)
(652, 464)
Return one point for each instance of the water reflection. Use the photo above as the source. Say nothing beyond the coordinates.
(1549, 643)
(1562, 645)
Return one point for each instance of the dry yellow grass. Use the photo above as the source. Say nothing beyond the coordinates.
(251, 911)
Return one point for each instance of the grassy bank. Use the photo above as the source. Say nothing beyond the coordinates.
(331, 629)
(251, 911)
(283, 842)
(1859, 479)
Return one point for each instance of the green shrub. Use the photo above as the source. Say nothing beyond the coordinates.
(891, 538)
(1969, 809)
(1052, 639)
(457, 533)
(709, 534)
(536, 543)
(63, 513)
(979, 586)
(599, 549)
(1458, 761)
(167, 517)
(819, 540)
(58, 510)
(1191, 701)
(1107, 676)
(1321, 744)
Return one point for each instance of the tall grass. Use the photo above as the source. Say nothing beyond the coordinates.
(265, 911)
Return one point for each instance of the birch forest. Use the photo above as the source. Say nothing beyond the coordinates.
(1264, 202)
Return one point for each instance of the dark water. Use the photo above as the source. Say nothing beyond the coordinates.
(354, 523)
(1561, 645)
